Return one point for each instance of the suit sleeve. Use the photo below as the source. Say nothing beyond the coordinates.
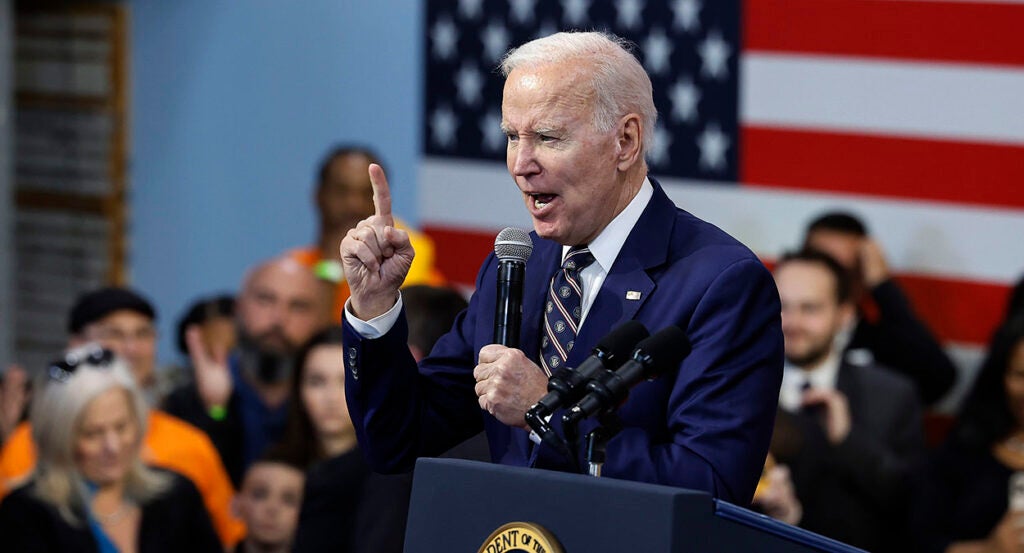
(402, 411)
(900, 340)
(722, 405)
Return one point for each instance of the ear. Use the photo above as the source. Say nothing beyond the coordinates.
(630, 142)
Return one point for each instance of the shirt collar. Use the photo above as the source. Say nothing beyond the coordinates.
(606, 247)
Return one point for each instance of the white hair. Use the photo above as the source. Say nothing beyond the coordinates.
(620, 84)
(56, 420)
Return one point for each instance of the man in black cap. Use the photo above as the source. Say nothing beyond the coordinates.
(123, 321)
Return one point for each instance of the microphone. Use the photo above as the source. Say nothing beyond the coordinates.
(513, 247)
(652, 357)
(566, 385)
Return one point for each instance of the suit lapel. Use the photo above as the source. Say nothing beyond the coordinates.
(629, 284)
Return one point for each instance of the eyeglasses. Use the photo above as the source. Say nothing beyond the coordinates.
(62, 369)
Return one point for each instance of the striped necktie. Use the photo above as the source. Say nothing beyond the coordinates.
(563, 310)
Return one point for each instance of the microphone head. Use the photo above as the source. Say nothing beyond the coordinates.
(619, 343)
(663, 351)
(513, 244)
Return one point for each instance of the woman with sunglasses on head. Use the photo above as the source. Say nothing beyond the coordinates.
(90, 490)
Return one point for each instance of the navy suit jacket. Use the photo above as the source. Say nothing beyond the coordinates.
(706, 426)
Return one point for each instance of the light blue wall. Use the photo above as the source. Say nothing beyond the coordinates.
(233, 103)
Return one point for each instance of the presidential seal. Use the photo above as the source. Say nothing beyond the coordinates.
(524, 537)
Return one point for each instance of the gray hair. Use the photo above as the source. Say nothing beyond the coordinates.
(620, 83)
(56, 418)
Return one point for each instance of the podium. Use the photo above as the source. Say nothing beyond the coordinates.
(462, 506)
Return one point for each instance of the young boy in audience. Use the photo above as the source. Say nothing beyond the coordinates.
(269, 502)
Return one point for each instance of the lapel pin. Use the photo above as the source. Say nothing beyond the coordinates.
(632, 295)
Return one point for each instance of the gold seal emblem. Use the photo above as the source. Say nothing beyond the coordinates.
(525, 537)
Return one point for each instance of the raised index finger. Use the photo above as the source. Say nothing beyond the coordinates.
(381, 193)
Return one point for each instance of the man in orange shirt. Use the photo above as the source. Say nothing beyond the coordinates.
(122, 321)
(344, 196)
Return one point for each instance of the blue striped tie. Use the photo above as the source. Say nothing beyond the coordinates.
(563, 310)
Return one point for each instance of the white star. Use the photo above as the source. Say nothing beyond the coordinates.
(495, 39)
(574, 12)
(657, 50)
(522, 10)
(445, 36)
(713, 144)
(687, 14)
(469, 84)
(714, 55)
(684, 97)
(443, 124)
(470, 8)
(657, 152)
(490, 129)
(629, 12)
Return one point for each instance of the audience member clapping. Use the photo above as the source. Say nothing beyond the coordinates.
(893, 336)
(91, 490)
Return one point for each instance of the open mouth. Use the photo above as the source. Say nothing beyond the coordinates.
(541, 200)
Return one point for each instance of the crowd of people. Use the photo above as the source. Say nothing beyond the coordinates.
(267, 439)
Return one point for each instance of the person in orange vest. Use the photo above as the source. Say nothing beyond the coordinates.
(343, 197)
(123, 321)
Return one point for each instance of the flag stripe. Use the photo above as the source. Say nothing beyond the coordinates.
(957, 310)
(958, 172)
(930, 238)
(937, 31)
(955, 102)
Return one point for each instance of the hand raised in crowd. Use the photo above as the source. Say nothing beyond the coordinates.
(508, 384)
(835, 410)
(13, 398)
(376, 256)
(873, 266)
(213, 378)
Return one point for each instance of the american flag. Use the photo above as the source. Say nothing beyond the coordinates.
(908, 113)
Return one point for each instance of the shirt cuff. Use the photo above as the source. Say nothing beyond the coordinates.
(377, 326)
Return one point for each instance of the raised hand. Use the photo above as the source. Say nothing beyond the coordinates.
(376, 255)
(507, 384)
(213, 378)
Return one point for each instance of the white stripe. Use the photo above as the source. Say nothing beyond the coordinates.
(933, 239)
(916, 99)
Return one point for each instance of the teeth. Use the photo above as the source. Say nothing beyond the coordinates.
(539, 204)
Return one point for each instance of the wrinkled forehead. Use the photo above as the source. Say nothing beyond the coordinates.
(562, 85)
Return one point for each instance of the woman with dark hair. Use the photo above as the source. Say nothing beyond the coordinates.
(345, 506)
(964, 499)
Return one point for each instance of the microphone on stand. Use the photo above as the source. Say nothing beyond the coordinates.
(567, 385)
(655, 355)
(513, 247)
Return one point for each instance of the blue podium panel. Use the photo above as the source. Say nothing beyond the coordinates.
(457, 505)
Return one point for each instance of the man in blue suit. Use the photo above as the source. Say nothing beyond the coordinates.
(579, 115)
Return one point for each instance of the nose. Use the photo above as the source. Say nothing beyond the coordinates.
(111, 441)
(522, 161)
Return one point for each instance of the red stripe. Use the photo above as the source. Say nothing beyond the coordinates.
(956, 310)
(972, 173)
(459, 252)
(937, 31)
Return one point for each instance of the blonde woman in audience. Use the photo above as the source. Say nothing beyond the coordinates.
(90, 490)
